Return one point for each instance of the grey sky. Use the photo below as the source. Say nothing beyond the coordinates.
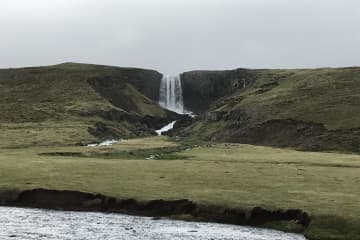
(179, 35)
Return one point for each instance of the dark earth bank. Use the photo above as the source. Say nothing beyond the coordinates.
(296, 219)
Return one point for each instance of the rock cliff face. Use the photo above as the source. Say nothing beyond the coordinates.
(201, 88)
(145, 81)
(307, 109)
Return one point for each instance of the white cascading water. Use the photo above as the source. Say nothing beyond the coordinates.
(171, 98)
(171, 94)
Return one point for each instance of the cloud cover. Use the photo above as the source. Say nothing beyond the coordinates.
(178, 35)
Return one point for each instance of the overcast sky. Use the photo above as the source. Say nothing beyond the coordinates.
(173, 36)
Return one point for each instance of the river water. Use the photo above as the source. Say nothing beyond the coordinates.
(26, 224)
(166, 128)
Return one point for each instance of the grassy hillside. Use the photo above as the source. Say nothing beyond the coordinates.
(75, 103)
(314, 109)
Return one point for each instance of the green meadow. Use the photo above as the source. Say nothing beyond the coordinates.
(325, 185)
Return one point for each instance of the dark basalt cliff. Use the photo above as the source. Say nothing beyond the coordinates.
(201, 88)
(307, 109)
(145, 81)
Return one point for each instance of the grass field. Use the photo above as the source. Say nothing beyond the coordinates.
(326, 185)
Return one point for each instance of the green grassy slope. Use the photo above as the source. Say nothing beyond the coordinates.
(314, 109)
(327, 96)
(59, 104)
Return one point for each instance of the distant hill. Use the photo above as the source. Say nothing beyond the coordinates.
(71, 103)
(75, 103)
(308, 109)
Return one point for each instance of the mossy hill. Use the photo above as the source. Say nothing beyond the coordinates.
(77, 103)
(308, 109)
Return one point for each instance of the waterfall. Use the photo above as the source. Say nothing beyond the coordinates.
(171, 98)
(171, 94)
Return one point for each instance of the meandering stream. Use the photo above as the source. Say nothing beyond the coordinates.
(25, 224)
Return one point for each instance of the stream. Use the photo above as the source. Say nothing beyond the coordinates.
(25, 224)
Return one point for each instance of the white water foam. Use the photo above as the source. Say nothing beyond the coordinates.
(104, 143)
(166, 128)
(36, 224)
(171, 97)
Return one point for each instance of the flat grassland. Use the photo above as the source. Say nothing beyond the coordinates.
(326, 185)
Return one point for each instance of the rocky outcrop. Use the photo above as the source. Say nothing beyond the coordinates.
(81, 201)
(281, 133)
(300, 135)
(138, 125)
(145, 81)
(121, 94)
(202, 88)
